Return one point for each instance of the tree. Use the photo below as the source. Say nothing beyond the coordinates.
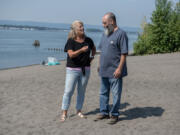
(162, 35)
(142, 45)
(174, 26)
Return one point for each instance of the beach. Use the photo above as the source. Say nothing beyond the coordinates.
(31, 97)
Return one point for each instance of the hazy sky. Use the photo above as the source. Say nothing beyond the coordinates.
(128, 12)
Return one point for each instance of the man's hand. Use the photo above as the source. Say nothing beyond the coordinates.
(117, 73)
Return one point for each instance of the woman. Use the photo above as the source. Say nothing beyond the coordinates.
(78, 47)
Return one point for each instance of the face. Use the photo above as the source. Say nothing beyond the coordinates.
(108, 25)
(105, 21)
(79, 29)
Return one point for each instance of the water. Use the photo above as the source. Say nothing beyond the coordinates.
(16, 47)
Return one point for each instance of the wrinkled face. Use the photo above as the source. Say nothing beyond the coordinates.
(79, 29)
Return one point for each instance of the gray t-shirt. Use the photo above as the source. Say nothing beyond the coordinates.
(111, 48)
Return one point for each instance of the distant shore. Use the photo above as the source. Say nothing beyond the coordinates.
(27, 27)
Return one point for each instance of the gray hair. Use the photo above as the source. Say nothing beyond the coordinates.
(111, 16)
(72, 34)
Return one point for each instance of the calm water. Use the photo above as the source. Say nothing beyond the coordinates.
(16, 47)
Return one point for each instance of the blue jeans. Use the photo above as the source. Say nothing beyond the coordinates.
(115, 85)
(74, 77)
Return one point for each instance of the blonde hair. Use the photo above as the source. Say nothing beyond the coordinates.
(72, 34)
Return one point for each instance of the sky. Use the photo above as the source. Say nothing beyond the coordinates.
(128, 12)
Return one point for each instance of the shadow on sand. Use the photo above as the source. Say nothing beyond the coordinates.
(134, 113)
(141, 112)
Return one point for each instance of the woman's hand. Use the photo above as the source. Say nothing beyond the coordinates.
(73, 54)
(84, 49)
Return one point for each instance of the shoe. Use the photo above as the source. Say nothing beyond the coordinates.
(113, 120)
(101, 117)
(63, 117)
(81, 115)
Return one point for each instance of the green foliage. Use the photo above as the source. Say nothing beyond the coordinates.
(162, 35)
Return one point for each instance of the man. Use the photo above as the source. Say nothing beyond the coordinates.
(112, 67)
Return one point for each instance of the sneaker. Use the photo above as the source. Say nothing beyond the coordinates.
(113, 120)
(101, 117)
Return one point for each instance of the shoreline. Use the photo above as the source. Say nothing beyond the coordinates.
(97, 54)
(28, 66)
(19, 67)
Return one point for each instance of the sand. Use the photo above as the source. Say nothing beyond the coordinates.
(30, 100)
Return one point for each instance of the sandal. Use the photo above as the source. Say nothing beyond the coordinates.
(81, 115)
(63, 117)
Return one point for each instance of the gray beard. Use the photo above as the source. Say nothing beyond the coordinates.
(109, 30)
(106, 31)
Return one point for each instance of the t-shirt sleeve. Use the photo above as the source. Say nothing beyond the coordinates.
(124, 43)
(68, 45)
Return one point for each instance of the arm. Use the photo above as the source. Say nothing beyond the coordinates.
(98, 68)
(73, 54)
(118, 71)
(123, 42)
(93, 51)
